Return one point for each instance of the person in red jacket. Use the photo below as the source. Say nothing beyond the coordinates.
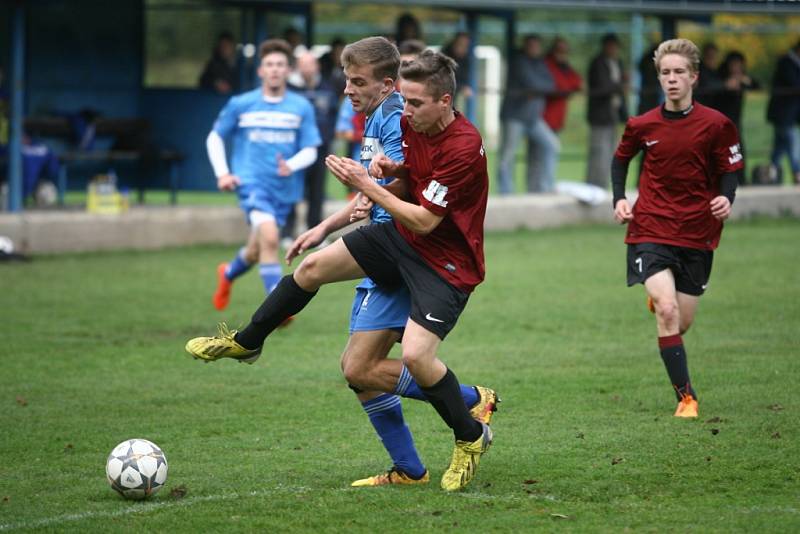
(567, 81)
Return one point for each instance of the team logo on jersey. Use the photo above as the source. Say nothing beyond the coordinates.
(736, 154)
(370, 147)
(269, 119)
(435, 193)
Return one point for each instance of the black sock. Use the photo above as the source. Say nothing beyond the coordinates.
(285, 300)
(674, 356)
(446, 397)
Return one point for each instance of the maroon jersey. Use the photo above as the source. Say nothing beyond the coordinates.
(447, 175)
(683, 162)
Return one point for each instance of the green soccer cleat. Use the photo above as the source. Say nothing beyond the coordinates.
(210, 349)
(466, 457)
(486, 406)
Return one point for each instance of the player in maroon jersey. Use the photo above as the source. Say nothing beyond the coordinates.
(692, 159)
(434, 246)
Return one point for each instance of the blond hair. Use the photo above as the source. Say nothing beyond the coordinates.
(376, 52)
(681, 47)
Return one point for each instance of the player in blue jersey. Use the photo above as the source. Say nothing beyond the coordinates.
(275, 137)
(379, 315)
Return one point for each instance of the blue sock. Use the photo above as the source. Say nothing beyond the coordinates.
(386, 415)
(237, 267)
(407, 387)
(270, 275)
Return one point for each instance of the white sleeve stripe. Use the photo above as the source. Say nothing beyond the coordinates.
(303, 159)
(216, 154)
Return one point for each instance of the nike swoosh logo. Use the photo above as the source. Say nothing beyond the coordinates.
(432, 318)
(405, 145)
(650, 143)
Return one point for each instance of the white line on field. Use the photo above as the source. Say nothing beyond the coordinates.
(143, 508)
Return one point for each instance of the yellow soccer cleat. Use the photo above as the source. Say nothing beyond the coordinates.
(210, 349)
(687, 407)
(486, 405)
(392, 476)
(466, 457)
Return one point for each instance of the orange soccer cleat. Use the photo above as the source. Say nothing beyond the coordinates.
(687, 407)
(223, 293)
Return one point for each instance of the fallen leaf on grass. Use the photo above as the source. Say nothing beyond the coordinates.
(178, 492)
(775, 407)
(68, 447)
(6, 498)
(615, 461)
(436, 512)
(714, 431)
(776, 435)
(530, 481)
(714, 420)
(559, 516)
(708, 458)
(579, 435)
(22, 401)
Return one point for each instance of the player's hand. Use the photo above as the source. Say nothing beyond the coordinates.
(721, 207)
(349, 172)
(283, 168)
(381, 166)
(228, 182)
(308, 239)
(622, 211)
(362, 208)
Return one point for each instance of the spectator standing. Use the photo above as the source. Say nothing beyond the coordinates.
(309, 82)
(730, 101)
(650, 94)
(408, 27)
(709, 84)
(330, 65)
(459, 50)
(567, 81)
(606, 108)
(529, 83)
(220, 73)
(783, 110)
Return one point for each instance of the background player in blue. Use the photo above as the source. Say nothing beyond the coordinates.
(275, 136)
(379, 314)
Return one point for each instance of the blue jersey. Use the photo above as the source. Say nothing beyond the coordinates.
(263, 130)
(382, 135)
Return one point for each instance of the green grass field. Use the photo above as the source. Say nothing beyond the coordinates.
(584, 439)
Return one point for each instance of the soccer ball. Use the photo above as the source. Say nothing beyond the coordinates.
(136, 468)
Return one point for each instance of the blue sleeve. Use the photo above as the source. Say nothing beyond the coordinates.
(344, 120)
(228, 118)
(392, 136)
(309, 133)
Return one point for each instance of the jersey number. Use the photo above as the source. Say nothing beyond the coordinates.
(638, 262)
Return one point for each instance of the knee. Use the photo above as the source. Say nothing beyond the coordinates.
(412, 358)
(354, 372)
(308, 273)
(684, 327)
(666, 309)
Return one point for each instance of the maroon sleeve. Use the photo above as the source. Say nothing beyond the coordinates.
(451, 179)
(727, 151)
(630, 144)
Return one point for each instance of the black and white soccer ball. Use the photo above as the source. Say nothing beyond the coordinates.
(136, 468)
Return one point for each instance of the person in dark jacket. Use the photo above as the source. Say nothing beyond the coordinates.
(783, 110)
(606, 108)
(220, 73)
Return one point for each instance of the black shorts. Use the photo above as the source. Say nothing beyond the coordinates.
(691, 267)
(390, 261)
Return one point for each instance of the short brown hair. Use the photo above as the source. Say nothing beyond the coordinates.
(681, 47)
(434, 70)
(377, 52)
(276, 45)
